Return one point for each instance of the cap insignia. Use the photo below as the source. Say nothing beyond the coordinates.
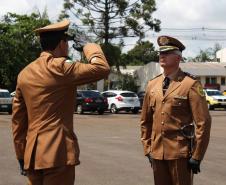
(163, 40)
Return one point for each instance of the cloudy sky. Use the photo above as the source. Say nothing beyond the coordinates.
(199, 24)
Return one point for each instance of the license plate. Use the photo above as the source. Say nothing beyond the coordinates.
(131, 100)
(4, 106)
(98, 101)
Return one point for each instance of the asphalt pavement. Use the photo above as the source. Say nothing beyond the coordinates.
(112, 154)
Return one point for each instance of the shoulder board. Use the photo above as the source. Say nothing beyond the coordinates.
(69, 61)
(190, 75)
(155, 77)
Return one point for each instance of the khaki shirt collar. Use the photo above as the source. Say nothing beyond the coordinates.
(45, 53)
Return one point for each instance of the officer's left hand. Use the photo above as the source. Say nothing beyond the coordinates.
(150, 159)
(194, 165)
(21, 164)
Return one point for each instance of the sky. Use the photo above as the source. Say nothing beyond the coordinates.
(198, 24)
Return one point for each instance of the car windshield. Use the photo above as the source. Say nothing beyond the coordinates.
(128, 94)
(91, 94)
(213, 93)
(4, 95)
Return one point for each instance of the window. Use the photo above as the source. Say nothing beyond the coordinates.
(128, 94)
(222, 80)
(207, 80)
(4, 95)
(109, 94)
(211, 80)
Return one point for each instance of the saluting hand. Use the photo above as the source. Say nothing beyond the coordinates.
(150, 159)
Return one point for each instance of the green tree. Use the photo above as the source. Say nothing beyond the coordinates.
(208, 54)
(113, 54)
(141, 54)
(127, 82)
(109, 19)
(19, 46)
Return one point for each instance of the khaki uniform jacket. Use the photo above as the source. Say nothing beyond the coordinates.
(43, 107)
(164, 115)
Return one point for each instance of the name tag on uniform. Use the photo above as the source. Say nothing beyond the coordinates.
(181, 97)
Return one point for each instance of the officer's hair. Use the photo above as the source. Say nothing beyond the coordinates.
(50, 40)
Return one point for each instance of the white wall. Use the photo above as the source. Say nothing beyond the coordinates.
(221, 54)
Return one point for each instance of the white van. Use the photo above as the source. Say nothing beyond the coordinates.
(5, 101)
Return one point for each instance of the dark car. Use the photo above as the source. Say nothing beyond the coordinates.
(90, 100)
(141, 97)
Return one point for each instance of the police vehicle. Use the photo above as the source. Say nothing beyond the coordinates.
(5, 101)
(215, 98)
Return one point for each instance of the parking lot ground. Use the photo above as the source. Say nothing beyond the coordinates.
(112, 154)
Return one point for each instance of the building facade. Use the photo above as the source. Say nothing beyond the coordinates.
(211, 74)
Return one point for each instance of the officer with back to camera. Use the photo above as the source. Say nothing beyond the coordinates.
(175, 121)
(42, 121)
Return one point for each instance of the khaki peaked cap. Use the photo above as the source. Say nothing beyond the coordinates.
(59, 26)
(167, 43)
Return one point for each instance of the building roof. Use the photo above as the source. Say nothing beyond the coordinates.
(128, 69)
(204, 68)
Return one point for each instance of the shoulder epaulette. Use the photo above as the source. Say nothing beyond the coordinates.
(155, 77)
(190, 75)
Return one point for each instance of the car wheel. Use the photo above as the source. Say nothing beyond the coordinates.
(79, 109)
(114, 109)
(210, 107)
(135, 111)
(101, 111)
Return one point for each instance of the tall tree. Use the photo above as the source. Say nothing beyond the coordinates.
(19, 46)
(111, 19)
(208, 55)
(143, 53)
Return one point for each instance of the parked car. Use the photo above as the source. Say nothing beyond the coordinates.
(215, 98)
(90, 100)
(122, 100)
(5, 101)
(141, 97)
(224, 93)
(12, 94)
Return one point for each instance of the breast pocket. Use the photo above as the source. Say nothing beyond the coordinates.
(180, 107)
(179, 103)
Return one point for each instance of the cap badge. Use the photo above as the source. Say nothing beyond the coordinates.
(163, 40)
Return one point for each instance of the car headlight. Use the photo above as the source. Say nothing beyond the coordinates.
(214, 99)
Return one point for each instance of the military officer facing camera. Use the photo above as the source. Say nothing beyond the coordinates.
(175, 121)
(42, 122)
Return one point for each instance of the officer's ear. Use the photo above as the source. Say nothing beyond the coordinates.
(179, 58)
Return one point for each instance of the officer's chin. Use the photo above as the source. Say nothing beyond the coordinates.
(162, 64)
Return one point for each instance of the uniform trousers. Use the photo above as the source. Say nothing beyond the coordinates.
(172, 172)
(64, 175)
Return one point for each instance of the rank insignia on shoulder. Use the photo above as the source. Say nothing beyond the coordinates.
(155, 77)
(200, 91)
(69, 61)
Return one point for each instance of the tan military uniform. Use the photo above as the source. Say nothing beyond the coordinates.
(43, 107)
(164, 115)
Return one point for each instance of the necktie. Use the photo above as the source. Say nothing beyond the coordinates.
(165, 84)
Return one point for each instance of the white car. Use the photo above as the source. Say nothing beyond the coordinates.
(122, 100)
(215, 98)
(5, 101)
